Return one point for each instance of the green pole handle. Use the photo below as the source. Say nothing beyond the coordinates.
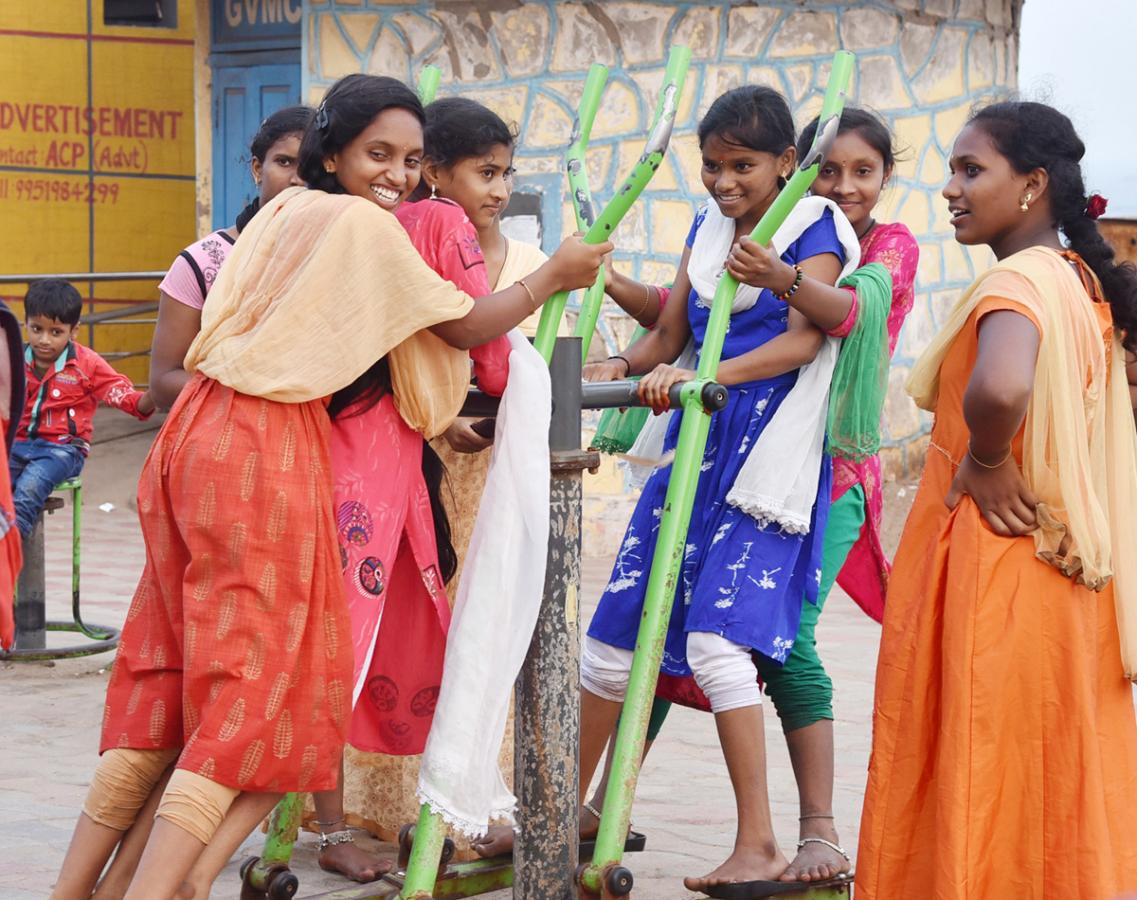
(678, 505)
(666, 108)
(428, 83)
(576, 166)
(574, 156)
(581, 197)
(627, 194)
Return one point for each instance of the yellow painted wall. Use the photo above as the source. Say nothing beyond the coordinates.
(96, 153)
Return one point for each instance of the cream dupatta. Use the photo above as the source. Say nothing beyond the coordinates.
(304, 305)
(1079, 447)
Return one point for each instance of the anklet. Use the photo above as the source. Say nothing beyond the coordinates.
(816, 816)
(335, 837)
(829, 844)
(328, 824)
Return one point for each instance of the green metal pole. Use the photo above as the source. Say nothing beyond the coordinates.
(581, 196)
(283, 827)
(426, 851)
(665, 107)
(677, 507)
(579, 191)
(428, 84)
(627, 193)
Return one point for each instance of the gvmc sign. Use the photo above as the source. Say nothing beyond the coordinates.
(262, 24)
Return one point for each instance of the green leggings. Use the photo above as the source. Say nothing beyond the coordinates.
(800, 688)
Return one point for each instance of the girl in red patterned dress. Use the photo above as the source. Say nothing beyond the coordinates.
(235, 665)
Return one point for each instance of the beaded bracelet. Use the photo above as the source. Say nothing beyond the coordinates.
(785, 295)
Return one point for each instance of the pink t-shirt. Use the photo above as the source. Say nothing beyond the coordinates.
(195, 269)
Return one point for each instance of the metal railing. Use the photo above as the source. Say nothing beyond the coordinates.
(125, 315)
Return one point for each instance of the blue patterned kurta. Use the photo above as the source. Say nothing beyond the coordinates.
(738, 579)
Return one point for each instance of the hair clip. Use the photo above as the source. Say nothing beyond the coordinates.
(321, 120)
(1095, 206)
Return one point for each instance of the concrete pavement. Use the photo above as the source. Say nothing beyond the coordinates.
(50, 719)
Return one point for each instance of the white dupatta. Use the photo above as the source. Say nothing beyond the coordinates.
(499, 597)
(778, 482)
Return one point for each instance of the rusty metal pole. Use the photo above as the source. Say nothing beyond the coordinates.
(547, 721)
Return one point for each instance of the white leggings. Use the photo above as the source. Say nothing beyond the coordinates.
(723, 670)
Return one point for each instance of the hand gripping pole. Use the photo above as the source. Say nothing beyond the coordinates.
(627, 194)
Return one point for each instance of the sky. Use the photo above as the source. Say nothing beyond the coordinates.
(1080, 57)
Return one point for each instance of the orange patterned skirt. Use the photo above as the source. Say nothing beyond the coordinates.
(237, 645)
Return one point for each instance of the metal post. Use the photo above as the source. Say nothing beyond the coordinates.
(547, 725)
(31, 594)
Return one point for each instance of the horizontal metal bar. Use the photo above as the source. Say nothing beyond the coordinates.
(110, 315)
(84, 276)
(605, 395)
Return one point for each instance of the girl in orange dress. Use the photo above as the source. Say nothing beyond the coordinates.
(235, 664)
(1004, 759)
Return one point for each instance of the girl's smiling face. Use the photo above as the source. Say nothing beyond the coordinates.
(742, 181)
(383, 162)
(853, 176)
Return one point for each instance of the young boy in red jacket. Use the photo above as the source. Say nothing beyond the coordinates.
(65, 383)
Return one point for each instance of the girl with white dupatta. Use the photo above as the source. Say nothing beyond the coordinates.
(748, 562)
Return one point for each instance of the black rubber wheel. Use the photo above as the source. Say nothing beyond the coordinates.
(619, 881)
(282, 885)
(448, 850)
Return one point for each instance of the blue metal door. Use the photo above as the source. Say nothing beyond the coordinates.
(242, 97)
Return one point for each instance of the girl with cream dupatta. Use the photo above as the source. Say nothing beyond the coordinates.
(235, 665)
(1004, 760)
(468, 167)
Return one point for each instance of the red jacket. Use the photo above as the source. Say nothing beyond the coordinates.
(60, 406)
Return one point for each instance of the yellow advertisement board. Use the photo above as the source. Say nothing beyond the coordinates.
(96, 154)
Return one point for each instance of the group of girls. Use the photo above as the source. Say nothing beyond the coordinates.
(291, 491)
(326, 338)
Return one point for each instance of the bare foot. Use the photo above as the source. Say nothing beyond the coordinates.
(814, 861)
(351, 862)
(742, 865)
(498, 841)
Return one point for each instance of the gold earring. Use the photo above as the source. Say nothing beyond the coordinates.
(434, 192)
(1025, 205)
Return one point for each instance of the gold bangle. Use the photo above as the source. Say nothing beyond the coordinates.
(532, 298)
(975, 459)
(647, 300)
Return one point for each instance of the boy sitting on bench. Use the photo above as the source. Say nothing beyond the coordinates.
(65, 382)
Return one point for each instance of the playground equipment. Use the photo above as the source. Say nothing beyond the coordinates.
(546, 850)
(605, 876)
(32, 624)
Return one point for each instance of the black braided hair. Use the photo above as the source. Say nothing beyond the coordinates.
(1036, 136)
(283, 122)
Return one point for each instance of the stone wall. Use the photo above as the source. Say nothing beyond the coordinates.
(922, 65)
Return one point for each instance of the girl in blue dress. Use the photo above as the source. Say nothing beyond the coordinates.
(742, 581)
